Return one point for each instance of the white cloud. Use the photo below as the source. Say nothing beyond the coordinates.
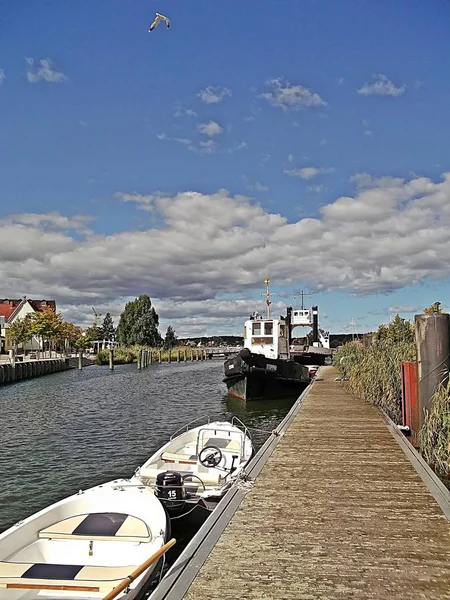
(406, 309)
(390, 234)
(164, 136)
(316, 189)
(258, 187)
(290, 158)
(290, 97)
(382, 86)
(180, 111)
(143, 201)
(366, 181)
(236, 147)
(207, 147)
(307, 172)
(45, 72)
(2, 76)
(201, 147)
(212, 128)
(213, 95)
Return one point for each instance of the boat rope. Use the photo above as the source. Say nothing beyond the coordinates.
(184, 514)
(244, 484)
(272, 432)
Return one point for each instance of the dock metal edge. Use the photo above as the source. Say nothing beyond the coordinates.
(180, 576)
(434, 485)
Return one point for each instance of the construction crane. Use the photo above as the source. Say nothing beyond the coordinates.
(96, 315)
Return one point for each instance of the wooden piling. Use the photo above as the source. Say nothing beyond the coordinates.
(159, 355)
(80, 359)
(139, 359)
(433, 356)
(178, 355)
(111, 359)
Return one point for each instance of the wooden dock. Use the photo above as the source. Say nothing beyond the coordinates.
(339, 511)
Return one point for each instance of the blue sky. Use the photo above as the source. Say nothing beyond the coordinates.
(304, 140)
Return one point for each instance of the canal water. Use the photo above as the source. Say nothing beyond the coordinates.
(72, 430)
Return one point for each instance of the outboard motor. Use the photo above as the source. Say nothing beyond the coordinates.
(170, 490)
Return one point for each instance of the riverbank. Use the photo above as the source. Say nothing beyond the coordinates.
(11, 373)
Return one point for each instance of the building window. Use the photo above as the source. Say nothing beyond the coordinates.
(256, 328)
(268, 328)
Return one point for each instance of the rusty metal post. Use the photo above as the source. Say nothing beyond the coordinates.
(433, 356)
(410, 400)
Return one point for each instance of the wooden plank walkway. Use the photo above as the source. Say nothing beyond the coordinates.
(337, 512)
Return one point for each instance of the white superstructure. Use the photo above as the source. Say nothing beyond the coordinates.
(266, 336)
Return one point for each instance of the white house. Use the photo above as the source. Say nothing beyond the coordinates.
(12, 310)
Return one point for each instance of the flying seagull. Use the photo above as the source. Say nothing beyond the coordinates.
(157, 20)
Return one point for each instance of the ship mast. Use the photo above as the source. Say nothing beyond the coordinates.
(267, 296)
(302, 294)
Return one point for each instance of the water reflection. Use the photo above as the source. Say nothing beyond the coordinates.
(72, 430)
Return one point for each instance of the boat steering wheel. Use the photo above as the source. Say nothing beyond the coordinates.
(210, 456)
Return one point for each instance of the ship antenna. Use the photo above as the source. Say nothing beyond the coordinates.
(267, 296)
(303, 294)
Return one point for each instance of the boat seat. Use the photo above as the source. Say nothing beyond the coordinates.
(223, 444)
(148, 476)
(183, 459)
(99, 526)
(54, 576)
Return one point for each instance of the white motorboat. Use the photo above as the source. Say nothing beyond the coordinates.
(192, 472)
(85, 545)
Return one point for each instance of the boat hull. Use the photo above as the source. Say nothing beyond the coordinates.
(251, 376)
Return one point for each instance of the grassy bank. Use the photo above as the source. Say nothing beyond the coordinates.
(372, 371)
(128, 355)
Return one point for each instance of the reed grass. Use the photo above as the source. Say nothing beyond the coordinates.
(434, 437)
(128, 354)
(372, 371)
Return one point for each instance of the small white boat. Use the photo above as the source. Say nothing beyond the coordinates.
(192, 472)
(84, 545)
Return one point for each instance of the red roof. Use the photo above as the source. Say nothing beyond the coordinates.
(7, 307)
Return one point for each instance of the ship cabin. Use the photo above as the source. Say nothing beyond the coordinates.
(302, 316)
(266, 336)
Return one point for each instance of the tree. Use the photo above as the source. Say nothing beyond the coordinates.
(19, 331)
(171, 339)
(92, 334)
(108, 331)
(139, 323)
(399, 330)
(46, 324)
(69, 335)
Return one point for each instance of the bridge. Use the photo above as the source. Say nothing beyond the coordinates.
(221, 351)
